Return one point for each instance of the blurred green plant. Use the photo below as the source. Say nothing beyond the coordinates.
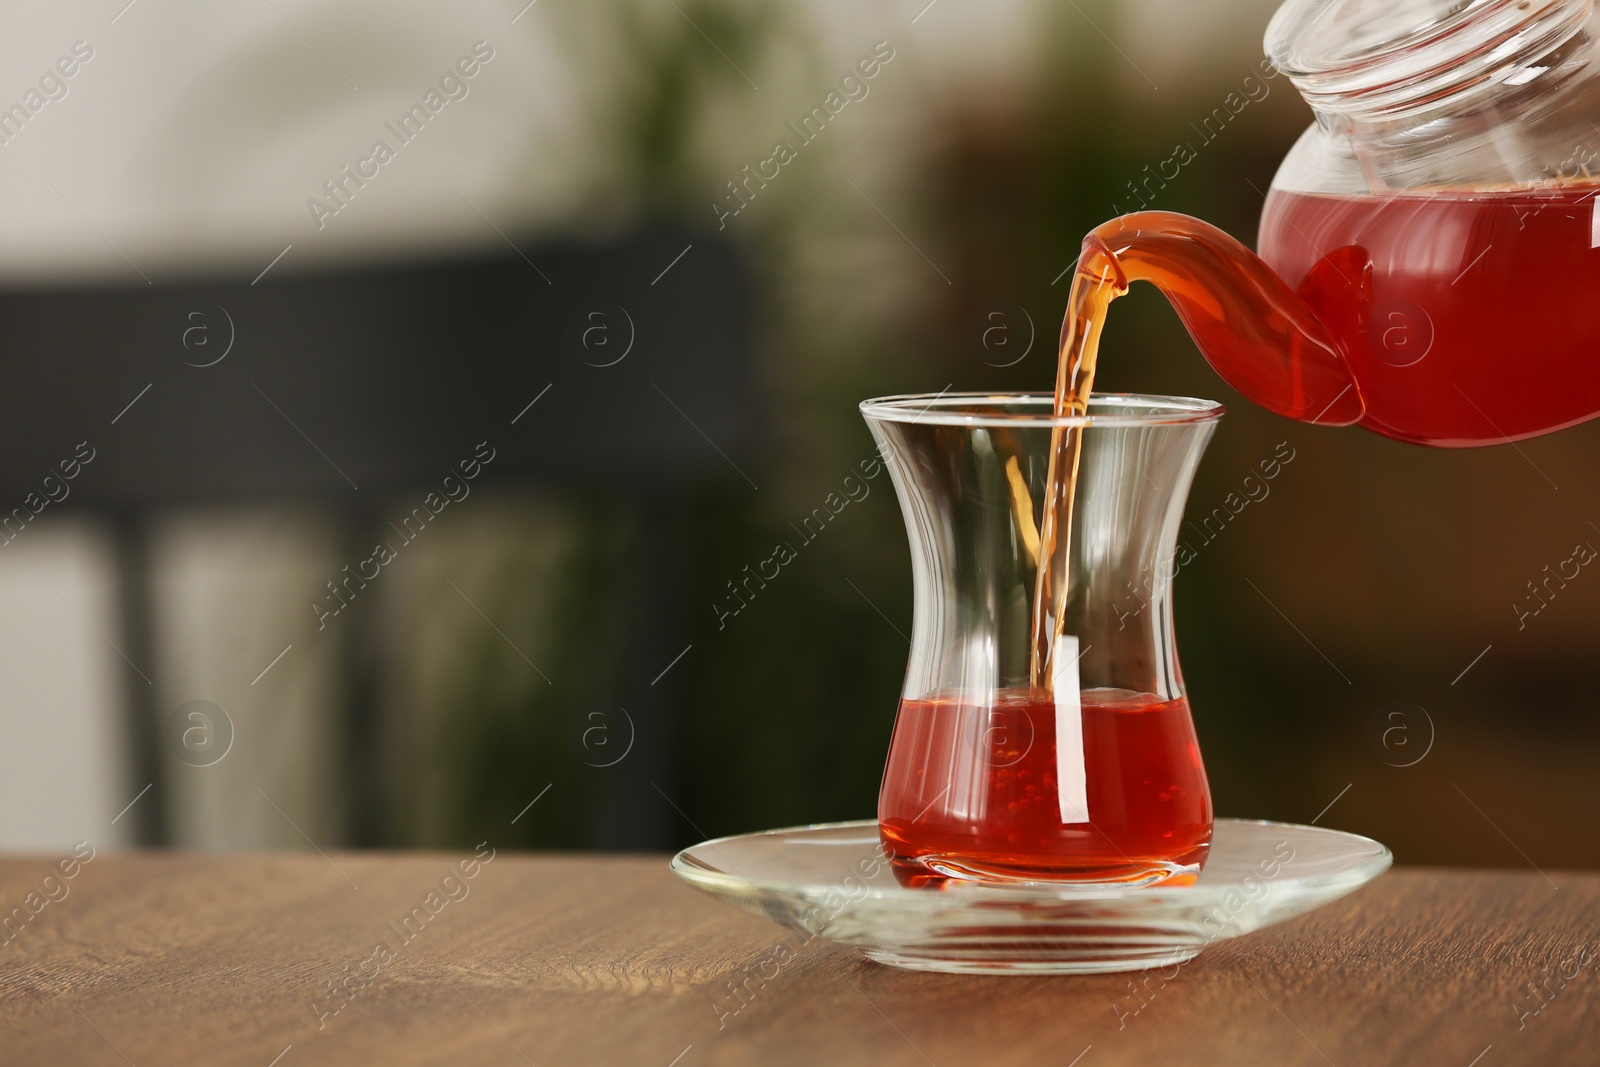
(510, 731)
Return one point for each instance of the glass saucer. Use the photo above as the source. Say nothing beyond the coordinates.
(833, 881)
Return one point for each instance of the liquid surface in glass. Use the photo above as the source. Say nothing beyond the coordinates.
(978, 789)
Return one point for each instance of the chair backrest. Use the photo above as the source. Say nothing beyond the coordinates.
(637, 351)
(623, 366)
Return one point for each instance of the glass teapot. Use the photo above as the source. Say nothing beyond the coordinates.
(1429, 261)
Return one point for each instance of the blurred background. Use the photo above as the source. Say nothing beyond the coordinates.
(586, 259)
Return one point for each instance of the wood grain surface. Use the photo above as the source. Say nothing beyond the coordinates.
(151, 959)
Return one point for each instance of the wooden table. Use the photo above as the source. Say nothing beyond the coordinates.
(152, 959)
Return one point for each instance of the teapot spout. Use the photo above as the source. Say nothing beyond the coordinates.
(1263, 338)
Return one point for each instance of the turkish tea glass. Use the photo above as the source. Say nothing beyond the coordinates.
(1091, 773)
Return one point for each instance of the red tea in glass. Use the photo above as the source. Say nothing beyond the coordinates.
(979, 790)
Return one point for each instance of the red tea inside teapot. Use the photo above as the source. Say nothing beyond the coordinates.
(1473, 317)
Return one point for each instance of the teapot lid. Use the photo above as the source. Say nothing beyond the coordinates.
(1383, 55)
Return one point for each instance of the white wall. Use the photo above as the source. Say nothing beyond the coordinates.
(62, 774)
(232, 592)
(198, 131)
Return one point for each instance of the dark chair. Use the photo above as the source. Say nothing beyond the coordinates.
(623, 367)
